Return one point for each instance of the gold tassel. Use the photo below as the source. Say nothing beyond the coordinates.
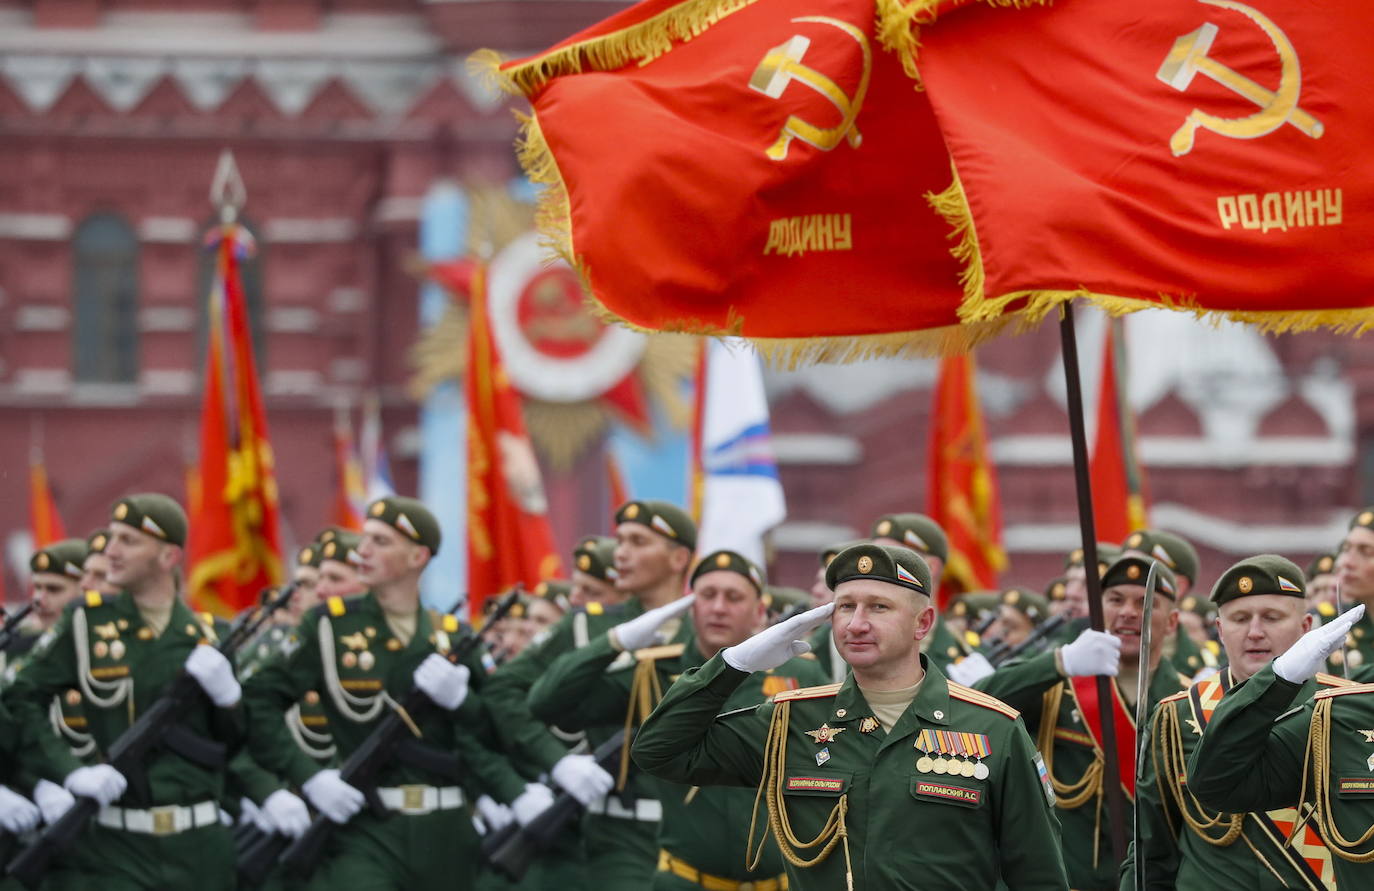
(645, 692)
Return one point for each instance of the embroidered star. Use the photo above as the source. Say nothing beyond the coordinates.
(1193, 725)
(1368, 735)
(825, 734)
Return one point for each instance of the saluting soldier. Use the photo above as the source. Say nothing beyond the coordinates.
(1056, 691)
(363, 655)
(160, 829)
(702, 838)
(895, 778)
(1184, 844)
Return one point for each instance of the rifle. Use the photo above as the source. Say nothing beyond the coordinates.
(1003, 652)
(156, 726)
(392, 734)
(11, 627)
(511, 850)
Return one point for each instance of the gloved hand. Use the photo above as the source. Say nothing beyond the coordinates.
(1306, 657)
(495, 815)
(333, 797)
(101, 782)
(582, 778)
(251, 813)
(970, 670)
(442, 681)
(531, 803)
(642, 631)
(1092, 652)
(17, 814)
(287, 813)
(776, 644)
(52, 800)
(215, 676)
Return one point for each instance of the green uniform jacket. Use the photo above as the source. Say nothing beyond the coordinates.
(1024, 686)
(706, 827)
(103, 643)
(1252, 756)
(906, 829)
(356, 662)
(1174, 854)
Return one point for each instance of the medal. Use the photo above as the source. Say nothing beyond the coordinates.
(966, 769)
(868, 725)
(349, 659)
(117, 650)
(980, 771)
(939, 766)
(924, 764)
(101, 649)
(366, 660)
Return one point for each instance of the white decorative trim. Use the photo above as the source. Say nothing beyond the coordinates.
(348, 369)
(298, 382)
(347, 300)
(292, 83)
(287, 230)
(292, 320)
(167, 230)
(206, 83)
(42, 381)
(1052, 450)
(399, 210)
(38, 79)
(817, 448)
(40, 317)
(122, 81)
(35, 226)
(805, 535)
(166, 318)
(167, 382)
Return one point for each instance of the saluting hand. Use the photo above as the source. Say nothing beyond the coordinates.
(642, 631)
(1306, 657)
(776, 644)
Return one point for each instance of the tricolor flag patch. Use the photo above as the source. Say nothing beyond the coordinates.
(662, 526)
(403, 523)
(905, 576)
(1286, 585)
(149, 525)
(1162, 555)
(915, 541)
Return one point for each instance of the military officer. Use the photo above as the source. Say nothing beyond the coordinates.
(594, 575)
(1184, 845)
(56, 581)
(1057, 693)
(895, 778)
(163, 829)
(1267, 748)
(1322, 584)
(1179, 555)
(1355, 573)
(1020, 611)
(363, 654)
(95, 574)
(702, 836)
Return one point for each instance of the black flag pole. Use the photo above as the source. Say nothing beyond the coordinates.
(1111, 779)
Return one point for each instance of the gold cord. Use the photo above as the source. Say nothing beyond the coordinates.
(1316, 767)
(1171, 765)
(645, 692)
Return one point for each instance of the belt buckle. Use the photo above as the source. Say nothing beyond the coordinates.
(413, 798)
(164, 819)
(745, 886)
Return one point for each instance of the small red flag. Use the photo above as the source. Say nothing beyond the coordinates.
(1118, 483)
(350, 494)
(44, 521)
(615, 484)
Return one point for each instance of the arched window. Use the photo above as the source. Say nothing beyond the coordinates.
(251, 270)
(105, 339)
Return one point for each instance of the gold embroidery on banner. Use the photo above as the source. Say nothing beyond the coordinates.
(791, 236)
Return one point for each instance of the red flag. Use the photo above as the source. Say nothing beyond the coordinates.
(44, 521)
(962, 483)
(235, 547)
(509, 538)
(350, 493)
(615, 483)
(1198, 154)
(1118, 483)
(749, 168)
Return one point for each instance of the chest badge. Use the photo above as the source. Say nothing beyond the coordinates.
(868, 725)
(822, 756)
(825, 734)
(1368, 735)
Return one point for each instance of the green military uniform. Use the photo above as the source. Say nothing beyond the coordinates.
(1185, 845)
(1060, 713)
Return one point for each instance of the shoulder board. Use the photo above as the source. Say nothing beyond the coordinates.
(449, 622)
(594, 609)
(1331, 680)
(809, 655)
(1175, 697)
(1213, 647)
(977, 697)
(336, 606)
(94, 599)
(1326, 610)
(808, 693)
(667, 651)
(972, 638)
(1341, 691)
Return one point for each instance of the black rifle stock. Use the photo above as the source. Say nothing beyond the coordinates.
(11, 627)
(1004, 653)
(128, 753)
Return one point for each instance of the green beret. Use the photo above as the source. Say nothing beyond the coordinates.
(972, 604)
(60, 558)
(555, 591)
(1261, 574)
(97, 541)
(916, 531)
(1025, 601)
(342, 548)
(1057, 589)
(1168, 548)
(782, 598)
(310, 555)
(1106, 556)
(329, 533)
(1322, 564)
(1133, 570)
(884, 563)
(1198, 605)
(408, 517)
(595, 555)
(154, 514)
(668, 520)
(729, 561)
(1364, 518)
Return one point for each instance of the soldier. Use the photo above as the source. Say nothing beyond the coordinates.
(702, 836)
(895, 778)
(1176, 553)
(364, 654)
(95, 574)
(1057, 693)
(1267, 748)
(1355, 571)
(924, 536)
(163, 829)
(56, 581)
(1197, 617)
(594, 575)
(822, 645)
(1076, 585)
(1019, 612)
(18, 815)
(1183, 845)
(1056, 593)
(338, 572)
(1322, 584)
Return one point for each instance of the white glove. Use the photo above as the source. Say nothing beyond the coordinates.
(17, 814)
(287, 813)
(52, 800)
(970, 670)
(101, 782)
(582, 778)
(1306, 657)
(531, 803)
(776, 644)
(215, 676)
(442, 681)
(495, 815)
(225, 819)
(333, 797)
(642, 631)
(1092, 652)
(251, 813)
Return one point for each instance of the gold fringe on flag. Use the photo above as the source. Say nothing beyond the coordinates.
(898, 26)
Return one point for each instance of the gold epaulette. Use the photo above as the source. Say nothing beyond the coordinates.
(667, 651)
(1174, 697)
(1331, 680)
(808, 693)
(449, 622)
(1341, 691)
(337, 607)
(94, 599)
(977, 697)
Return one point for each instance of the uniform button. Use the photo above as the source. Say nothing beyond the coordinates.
(840, 713)
(939, 715)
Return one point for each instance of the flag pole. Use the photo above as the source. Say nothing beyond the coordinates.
(1116, 806)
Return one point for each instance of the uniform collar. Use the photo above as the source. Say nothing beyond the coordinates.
(931, 704)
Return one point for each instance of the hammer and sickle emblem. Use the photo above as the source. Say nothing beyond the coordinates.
(783, 64)
(1276, 107)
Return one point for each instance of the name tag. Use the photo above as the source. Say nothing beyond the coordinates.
(816, 784)
(1349, 787)
(947, 792)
